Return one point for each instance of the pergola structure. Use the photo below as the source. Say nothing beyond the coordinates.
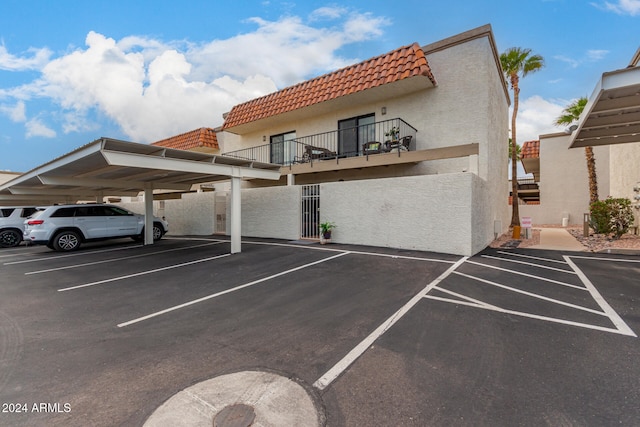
(110, 167)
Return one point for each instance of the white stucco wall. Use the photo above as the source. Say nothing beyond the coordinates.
(271, 212)
(430, 213)
(564, 181)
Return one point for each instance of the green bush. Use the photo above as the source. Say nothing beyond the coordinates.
(611, 216)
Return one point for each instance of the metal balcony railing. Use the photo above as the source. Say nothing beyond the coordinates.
(346, 142)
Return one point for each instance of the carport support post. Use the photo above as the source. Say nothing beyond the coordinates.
(236, 214)
(148, 215)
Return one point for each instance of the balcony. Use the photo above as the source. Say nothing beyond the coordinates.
(389, 136)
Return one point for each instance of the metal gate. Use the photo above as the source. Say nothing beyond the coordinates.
(310, 221)
(220, 207)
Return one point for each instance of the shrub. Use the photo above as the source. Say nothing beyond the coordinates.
(611, 216)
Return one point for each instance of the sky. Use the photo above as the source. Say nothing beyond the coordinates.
(72, 71)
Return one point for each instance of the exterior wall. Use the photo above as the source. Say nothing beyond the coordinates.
(625, 173)
(270, 212)
(8, 176)
(564, 182)
(194, 214)
(429, 213)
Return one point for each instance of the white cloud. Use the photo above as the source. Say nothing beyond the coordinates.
(536, 116)
(154, 89)
(35, 127)
(621, 7)
(14, 63)
(592, 55)
(16, 113)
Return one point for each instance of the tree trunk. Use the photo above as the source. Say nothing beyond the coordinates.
(515, 210)
(593, 179)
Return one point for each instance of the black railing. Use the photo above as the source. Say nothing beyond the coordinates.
(393, 135)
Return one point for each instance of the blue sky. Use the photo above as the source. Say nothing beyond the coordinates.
(74, 71)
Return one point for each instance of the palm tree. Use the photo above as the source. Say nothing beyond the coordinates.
(570, 115)
(517, 62)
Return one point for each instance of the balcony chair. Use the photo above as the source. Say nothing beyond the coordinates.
(371, 147)
(316, 153)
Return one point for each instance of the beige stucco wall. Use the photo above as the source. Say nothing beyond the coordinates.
(564, 181)
(8, 176)
(625, 173)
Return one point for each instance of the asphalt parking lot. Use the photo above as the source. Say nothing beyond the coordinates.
(106, 335)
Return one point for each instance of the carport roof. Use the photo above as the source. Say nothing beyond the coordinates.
(612, 115)
(120, 168)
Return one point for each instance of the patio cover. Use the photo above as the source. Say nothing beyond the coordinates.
(612, 115)
(109, 167)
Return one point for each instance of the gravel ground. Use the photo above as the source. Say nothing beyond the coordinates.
(594, 243)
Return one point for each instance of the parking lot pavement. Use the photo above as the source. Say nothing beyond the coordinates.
(370, 336)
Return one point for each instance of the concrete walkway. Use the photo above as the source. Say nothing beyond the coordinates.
(558, 239)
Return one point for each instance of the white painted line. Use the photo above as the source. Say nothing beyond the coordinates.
(75, 254)
(606, 259)
(562, 270)
(532, 257)
(469, 299)
(403, 257)
(217, 294)
(359, 349)
(142, 273)
(615, 318)
(456, 301)
(329, 249)
(533, 316)
(531, 294)
(104, 261)
(544, 279)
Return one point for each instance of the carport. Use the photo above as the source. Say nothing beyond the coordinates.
(612, 114)
(110, 167)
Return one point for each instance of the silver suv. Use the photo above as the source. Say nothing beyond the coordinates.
(65, 227)
(12, 224)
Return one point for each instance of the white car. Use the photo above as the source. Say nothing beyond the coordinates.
(12, 220)
(66, 227)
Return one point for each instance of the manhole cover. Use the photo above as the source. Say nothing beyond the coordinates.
(238, 415)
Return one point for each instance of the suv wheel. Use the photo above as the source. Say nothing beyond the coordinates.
(66, 241)
(10, 238)
(157, 232)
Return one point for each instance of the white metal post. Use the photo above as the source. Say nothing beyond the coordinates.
(148, 215)
(236, 214)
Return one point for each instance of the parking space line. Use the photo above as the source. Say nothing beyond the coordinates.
(67, 267)
(75, 254)
(532, 316)
(325, 380)
(142, 273)
(474, 301)
(531, 294)
(615, 318)
(529, 263)
(532, 257)
(217, 294)
(605, 259)
(528, 275)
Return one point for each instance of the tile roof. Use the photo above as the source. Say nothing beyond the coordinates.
(195, 139)
(404, 62)
(530, 150)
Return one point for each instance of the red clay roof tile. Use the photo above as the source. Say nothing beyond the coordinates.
(530, 150)
(198, 138)
(404, 62)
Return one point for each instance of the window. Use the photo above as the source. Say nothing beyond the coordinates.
(63, 213)
(354, 132)
(283, 148)
(6, 212)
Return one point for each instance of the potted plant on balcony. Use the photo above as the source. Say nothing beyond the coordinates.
(392, 134)
(325, 232)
